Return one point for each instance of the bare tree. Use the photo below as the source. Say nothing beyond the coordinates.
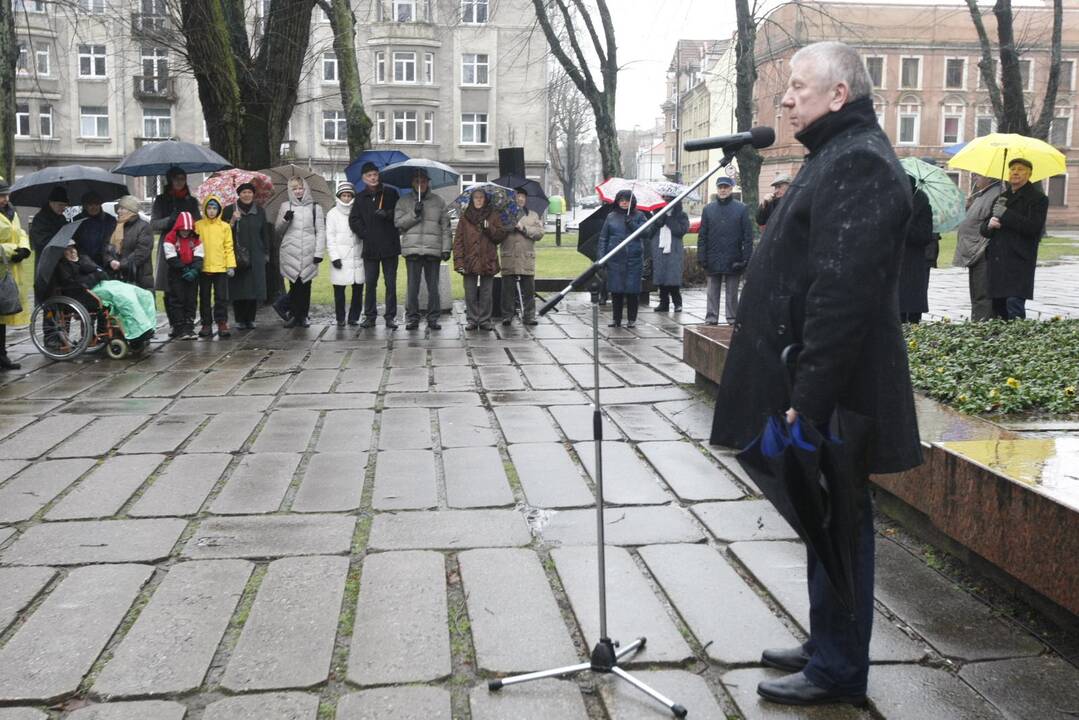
(561, 21)
(568, 126)
(1007, 96)
(343, 22)
(9, 56)
(745, 63)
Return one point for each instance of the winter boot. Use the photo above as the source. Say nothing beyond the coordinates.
(206, 331)
(223, 329)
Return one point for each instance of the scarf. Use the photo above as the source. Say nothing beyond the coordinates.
(180, 194)
(244, 207)
(117, 239)
(665, 240)
(475, 215)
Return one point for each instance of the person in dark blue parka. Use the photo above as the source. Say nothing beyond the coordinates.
(624, 270)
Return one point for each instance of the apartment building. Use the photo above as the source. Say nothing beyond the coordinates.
(452, 80)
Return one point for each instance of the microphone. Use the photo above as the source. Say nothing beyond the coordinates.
(759, 137)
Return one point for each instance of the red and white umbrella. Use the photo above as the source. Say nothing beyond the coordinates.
(648, 198)
(223, 184)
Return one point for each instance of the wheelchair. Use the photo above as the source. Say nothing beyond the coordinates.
(61, 328)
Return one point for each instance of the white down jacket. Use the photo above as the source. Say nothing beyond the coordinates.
(342, 244)
(303, 239)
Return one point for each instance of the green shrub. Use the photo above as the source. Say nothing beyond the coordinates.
(998, 368)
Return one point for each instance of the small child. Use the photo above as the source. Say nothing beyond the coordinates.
(219, 264)
(184, 255)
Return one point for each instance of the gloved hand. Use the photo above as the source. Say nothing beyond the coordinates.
(337, 264)
(20, 254)
(419, 208)
(381, 213)
(190, 274)
(173, 218)
(317, 260)
(230, 272)
(445, 256)
(288, 215)
(999, 206)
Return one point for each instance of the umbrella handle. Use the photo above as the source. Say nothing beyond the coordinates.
(789, 358)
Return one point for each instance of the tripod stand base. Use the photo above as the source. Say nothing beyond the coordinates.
(604, 660)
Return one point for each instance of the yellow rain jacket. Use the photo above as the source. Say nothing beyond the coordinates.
(12, 237)
(216, 237)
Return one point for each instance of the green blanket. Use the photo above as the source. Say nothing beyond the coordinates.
(131, 304)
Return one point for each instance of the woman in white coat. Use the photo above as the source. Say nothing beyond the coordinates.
(343, 248)
(302, 227)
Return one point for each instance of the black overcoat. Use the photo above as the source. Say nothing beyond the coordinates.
(914, 272)
(1012, 253)
(162, 218)
(825, 274)
(381, 238)
(252, 231)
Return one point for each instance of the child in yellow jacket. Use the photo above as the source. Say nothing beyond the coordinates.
(218, 265)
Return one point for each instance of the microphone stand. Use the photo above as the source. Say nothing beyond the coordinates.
(605, 657)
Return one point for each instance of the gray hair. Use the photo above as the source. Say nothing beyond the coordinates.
(834, 63)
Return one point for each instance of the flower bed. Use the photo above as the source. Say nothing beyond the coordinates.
(998, 368)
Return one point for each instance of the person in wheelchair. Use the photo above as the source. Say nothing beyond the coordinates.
(75, 275)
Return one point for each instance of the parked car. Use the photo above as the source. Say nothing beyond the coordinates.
(694, 224)
(589, 201)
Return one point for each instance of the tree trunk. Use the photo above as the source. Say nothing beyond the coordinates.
(343, 21)
(610, 153)
(1040, 129)
(1013, 118)
(9, 56)
(749, 159)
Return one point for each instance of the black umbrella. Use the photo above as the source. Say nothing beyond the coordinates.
(588, 231)
(33, 190)
(157, 157)
(537, 199)
(814, 480)
(50, 255)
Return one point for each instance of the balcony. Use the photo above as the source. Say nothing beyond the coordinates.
(140, 141)
(155, 88)
(151, 27)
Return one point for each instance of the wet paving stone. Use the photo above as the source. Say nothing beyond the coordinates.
(639, 423)
(407, 379)
(264, 706)
(346, 431)
(359, 380)
(400, 703)
(538, 397)
(429, 399)
(448, 530)
(52, 651)
(22, 713)
(585, 376)
(271, 536)
(742, 686)
(170, 646)
(541, 699)
(22, 497)
(163, 435)
(14, 423)
(502, 586)
(18, 588)
(406, 357)
(332, 482)
(627, 480)
(257, 485)
(36, 439)
(685, 688)
(465, 427)
(523, 424)
(325, 401)
(636, 374)
(689, 472)
(224, 433)
(549, 477)
(263, 383)
(217, 405)
(402, 606)
(637, 613)
(903, 691)
(622, 526)
(501, 377)
(139, 710)
(475, 477)
(453, 378)
(69, 387)
(94, 541)
(167, 384)
(405, 428)
(30, 407)
(105, 490)
(100, 436)
(1036, 687)
(744, 520)
(405, 479)
(449, 356)
(312, 381)
(182, 487)
(288, 638)
(286, 431)
(576, 423)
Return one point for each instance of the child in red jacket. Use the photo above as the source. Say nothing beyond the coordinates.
(183, 254)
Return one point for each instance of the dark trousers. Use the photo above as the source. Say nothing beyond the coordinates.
(981, 305)
(528, 296)
(910, 317)
(429, 267)
(299, 300)
(218, 310)
(838, 645)
(180, 301)
(1010, 308)
(244, 310)
(669, 294)
(353, 307)
(629, 300)
(370, 279)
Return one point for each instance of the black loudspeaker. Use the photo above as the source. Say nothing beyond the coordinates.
(511, 161)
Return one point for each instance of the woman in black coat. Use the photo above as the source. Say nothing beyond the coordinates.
(251, 238)
(914, 272)
(1014, 230)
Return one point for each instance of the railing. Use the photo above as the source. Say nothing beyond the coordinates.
(155, 87)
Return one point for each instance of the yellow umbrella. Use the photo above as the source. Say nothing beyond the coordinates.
(990, 154)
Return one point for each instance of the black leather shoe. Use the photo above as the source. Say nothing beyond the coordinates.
(789, 659)
(412, 325)
(507, 322)
(7, 364)
(796, 689)
(434, 326)
(391, 325)
(368, 323)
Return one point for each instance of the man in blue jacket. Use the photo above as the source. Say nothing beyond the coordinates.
(724, 246)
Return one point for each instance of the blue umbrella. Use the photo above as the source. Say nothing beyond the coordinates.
(401, 173)
(953, 149)
(381, 158)
(157, 157)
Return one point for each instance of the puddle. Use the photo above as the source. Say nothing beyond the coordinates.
(1048, 464)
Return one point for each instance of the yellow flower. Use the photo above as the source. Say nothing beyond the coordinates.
(994, 393)
(962, 398)
(940, 370)
(1070, 391)
(1013, 383)
(912, 345)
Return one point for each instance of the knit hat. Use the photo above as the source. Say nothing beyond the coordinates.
(345, 187)
(59, 194)
(782, 179)
(724, 180)
(368, 167)
(245, 186)
(129, 203)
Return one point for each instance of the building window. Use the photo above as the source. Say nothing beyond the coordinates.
(404, 11)
(380, 125)
(470, 179)
(91, 61)
(44, 117)
(474, 11)
(156, 123)
(334, 126)
(474, 69)
(380, 67)
(41, 60)
(404, 126)
(155, 70)
(474, 128)
(1058, 129)
(910, 72)
(94, 7)
(429, 68)
(93, 121)
(875, 66)
(22, 121)
(1026, 72)
(984, 123)
(955, 73)
(429, 126)
(1057, 189)
(404, 67)
(329, 66)
(879, 109)
(22, 64)
(33, 6)
(952, 128)
(909, 121)
(953, 176)
(1067, 71)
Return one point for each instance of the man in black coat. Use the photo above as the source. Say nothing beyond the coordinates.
(914, 272)
(825, 275)
(173, 200)
(371, 218)
(1014, 230)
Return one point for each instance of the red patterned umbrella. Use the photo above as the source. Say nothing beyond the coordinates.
(224, 183)
(647, 197)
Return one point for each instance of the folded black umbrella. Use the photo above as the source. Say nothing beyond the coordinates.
(33, 190)
(588, 231)
(814, 479)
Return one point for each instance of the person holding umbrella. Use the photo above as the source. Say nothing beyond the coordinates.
(425, 242)
(625, 270)
(130, 247)
(372, 219)
(49, 219)
(518, 258)
(825, 276)
(475, 256)
(251, 245)
(667, 257)
(93, 235)
(173, 200)
(16, 247)
(1014, 230)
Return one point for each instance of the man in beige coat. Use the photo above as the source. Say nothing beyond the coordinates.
(518, 259)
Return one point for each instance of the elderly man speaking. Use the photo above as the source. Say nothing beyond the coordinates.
(825, 276)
